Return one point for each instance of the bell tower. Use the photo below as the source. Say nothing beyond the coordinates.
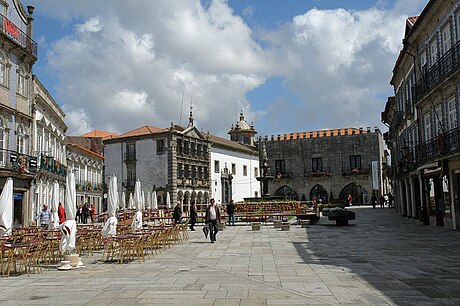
(242, 132)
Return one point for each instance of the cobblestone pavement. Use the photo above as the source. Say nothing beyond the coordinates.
(380, 259)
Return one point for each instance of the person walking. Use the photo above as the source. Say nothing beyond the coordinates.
(92, 213)
(373, 200)
(177, 214)
(382, 201)
(193, 215)
(85, 213)
(45, 216)
(61, 213)
(79, 214)
(212, 217)
(350, 200)
(231, 213)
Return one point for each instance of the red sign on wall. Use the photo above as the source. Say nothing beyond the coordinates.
(11, 28)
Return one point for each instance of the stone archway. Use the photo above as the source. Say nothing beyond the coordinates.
(287, 192)
(359, 194)
(320, 193)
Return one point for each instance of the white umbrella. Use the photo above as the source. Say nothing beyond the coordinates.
(138, 203)
(123, 200)
(168, 200)
(149, 200)
(155, 200)
(131, 201)
(110, 226)
(55, 206)
(143, 200)
(6, 208)
(69, 227)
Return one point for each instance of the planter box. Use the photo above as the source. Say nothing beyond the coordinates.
(285, 226)
(277, 223)
(256, 226)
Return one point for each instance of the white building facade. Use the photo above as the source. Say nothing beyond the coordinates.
(49, 147)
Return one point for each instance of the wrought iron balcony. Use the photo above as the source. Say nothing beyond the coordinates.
(13, 32)
(446, 66)
(444, 144)
(17, 162)
(51, 165)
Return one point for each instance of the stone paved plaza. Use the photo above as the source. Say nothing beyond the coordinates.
(380, 259)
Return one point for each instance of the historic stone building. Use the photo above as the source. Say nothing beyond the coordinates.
(326, 165)
(423, 117)
(18, 53)
(174, 160)
(49, 147)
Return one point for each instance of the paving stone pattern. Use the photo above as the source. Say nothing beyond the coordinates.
(380, 259)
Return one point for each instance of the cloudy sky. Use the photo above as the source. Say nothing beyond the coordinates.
(291, 65)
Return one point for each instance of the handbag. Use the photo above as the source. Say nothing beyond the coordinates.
(206, 231)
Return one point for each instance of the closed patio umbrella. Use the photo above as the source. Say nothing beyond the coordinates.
(69, 227)
(131, 201)
(123, 200)
(6, 208)
(110, 226)
(54, 206)
(168, 200)
(155, 200)
(138, 203)
(148, 203)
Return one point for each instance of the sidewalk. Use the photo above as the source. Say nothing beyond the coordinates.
(380, 259)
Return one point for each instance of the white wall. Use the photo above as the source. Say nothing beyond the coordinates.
(242, 186)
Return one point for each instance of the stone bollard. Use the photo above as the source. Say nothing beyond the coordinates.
(255, 226)
(277, 223)
(285, 226)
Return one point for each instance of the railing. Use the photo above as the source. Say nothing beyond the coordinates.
(443, 68)
(357, 171)
(17, 162)
(17, 35)
(51, 165)
(88, 186)
(443, 144)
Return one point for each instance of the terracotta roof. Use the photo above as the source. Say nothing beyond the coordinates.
(84, 149)
(231, 144)
(145, 130)
(99, 134)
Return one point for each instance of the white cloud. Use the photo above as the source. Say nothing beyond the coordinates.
(128, 64)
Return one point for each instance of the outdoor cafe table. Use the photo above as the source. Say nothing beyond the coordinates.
(122, 239)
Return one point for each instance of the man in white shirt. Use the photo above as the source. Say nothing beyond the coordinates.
(211, 219)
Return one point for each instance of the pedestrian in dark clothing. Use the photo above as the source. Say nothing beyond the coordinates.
(382, 201)
(85, 213)
(390, 200)
(193, 216)
(231, 213)
(177, 214)
(374, 200)
(79, 214)
(212, 218)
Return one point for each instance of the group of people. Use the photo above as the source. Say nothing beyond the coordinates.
(212, 217)
(382, 200)
(84, 213)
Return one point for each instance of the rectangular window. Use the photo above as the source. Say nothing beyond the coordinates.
(200, 172)
(186, 147)
(160, 146)
(193, 148)
(205, 173)
(423, 61)
(233, 169)
(446, 39)
(452, 110)
(245, 170)
(438, 120)
(316, 164)
(2, 71)
(130, 151)
(180, 171)
(179, 146)
(355, 162)
(187, 171)
(433, 52)
(427, 121)
(280, 166)
(216, 166)
(256, 172)
(194, 174)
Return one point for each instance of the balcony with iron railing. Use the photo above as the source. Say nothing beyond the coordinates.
(13, 32)
(443, 145)
(17, 162)
(446, 66)
(49, 164)
(83, 185)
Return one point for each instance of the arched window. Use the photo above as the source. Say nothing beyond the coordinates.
(22, 81)
(3, 69)
(20, 139)
(3, 143)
